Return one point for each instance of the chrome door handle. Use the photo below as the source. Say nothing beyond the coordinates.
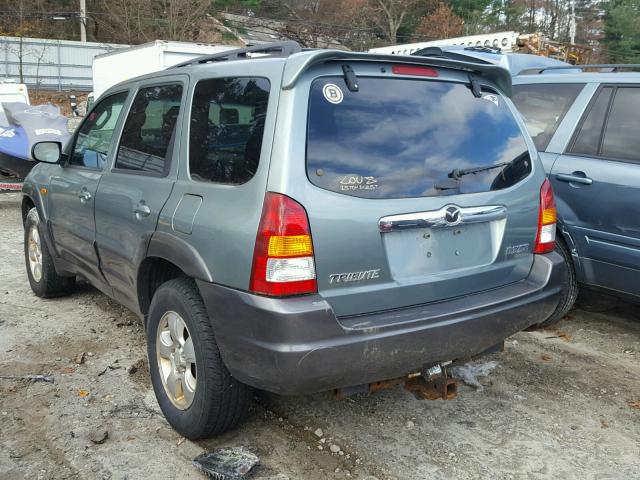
(84, 195)
(574, 178)
(142, 210)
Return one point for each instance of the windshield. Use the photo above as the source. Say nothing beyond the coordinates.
(397, 138)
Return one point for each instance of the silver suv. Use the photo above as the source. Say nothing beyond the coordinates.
(299, 221)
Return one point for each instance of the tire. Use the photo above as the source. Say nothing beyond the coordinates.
(208, 401)
(43, 278)
(569, 291)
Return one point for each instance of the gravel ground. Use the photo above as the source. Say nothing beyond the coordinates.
(562, 403)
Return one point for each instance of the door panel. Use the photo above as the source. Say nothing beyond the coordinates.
(603, 217)
(131, 196)
(124, 227)
(598, 198)
(71, 203)
(72, 191)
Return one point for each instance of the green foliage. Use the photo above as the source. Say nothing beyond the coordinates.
(505, 15)
(225, 4)
(622, 31)
(471, 11)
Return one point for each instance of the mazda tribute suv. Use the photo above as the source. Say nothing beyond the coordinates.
(299, 221)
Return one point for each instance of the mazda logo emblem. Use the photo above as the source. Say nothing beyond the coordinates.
(452, 215)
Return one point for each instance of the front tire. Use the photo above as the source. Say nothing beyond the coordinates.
(569, 291)
(194, 389)
(43, 278)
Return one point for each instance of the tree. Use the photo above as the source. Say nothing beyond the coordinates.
(390, 15)
(472, 13)
(441, 23)
(506, 15)
(138, 21)
(320, 23)
(622, 31)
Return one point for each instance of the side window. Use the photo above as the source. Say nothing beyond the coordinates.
(149, 130)
(227, 124)
(621, 138)
(543, 106)
(95, 134)
(587, 141)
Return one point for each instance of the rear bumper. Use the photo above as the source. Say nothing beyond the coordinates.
(297, 345)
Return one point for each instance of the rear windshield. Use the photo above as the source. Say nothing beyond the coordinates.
(398, 138)
(543, 106)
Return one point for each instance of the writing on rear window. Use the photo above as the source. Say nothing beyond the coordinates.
(358, 182)
(399, 138)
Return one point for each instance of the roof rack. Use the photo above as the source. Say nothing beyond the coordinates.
(484, 49)
(604, 68)
(275, 49)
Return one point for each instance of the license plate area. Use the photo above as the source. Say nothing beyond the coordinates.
(430, 251)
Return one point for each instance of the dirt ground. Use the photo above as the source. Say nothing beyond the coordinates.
(561, 403)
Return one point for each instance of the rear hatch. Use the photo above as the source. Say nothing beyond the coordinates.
(422, 190)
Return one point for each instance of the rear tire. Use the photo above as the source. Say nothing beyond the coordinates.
(194, 389)
(569, 291)
(43, 278)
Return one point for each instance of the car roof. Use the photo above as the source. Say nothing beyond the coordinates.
(578, 77)
(297, 61)
(514, 62)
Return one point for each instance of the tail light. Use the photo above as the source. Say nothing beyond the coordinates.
(414, 70)
(283, 261)
(546, 236)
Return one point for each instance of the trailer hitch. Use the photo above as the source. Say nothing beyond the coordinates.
(432, 384)
(439, 388)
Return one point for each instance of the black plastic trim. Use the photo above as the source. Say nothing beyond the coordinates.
(180, 253)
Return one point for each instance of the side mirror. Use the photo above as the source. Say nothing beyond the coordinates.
(48, 152)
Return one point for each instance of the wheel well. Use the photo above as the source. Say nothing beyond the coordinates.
(152, 273)
(27, 204)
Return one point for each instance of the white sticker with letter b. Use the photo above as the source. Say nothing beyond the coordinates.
(333, 93)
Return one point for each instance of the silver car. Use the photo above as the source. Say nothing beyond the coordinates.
(299, 221)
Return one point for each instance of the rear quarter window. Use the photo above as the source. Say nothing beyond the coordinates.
(227, 125)
(621, 139)
(398, 138)
(543, 106)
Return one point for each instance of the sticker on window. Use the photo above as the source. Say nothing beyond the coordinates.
(332, 93)
(492, 98)
(358, 182)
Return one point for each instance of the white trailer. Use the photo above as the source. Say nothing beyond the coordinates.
(120, 65)
(10, 91)
(506, 41)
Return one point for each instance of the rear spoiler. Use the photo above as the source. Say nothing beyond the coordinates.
(298, 64)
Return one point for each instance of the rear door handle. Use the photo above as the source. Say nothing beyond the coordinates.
(142, 210)
(84, 195)
(575, 177)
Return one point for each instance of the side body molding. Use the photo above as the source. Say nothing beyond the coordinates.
(180, 253)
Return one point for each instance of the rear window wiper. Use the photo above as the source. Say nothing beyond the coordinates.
(350, 78)
(458, 173)
(476, 89)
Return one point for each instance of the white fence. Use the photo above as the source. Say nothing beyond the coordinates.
(50, 64)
